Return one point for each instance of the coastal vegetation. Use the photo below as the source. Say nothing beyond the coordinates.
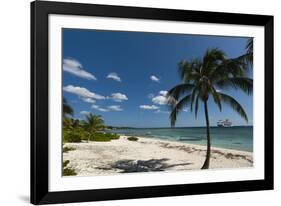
(68, 171)
(210, 76)
(90, 129)
(67, 149)
(132, 138)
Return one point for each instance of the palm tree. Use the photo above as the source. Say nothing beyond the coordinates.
(248, 56)
(70, 123)
(67, 109)
(201, 78)
(250, 48)
(93, 123)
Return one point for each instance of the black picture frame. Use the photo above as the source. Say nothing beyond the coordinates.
(39, 102)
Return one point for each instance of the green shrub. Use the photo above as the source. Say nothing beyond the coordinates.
(75, 135)
(132, 139)
(103, 137)
(67, 149)
(99, 137)
(113, 136)
(65, 163)
(68, 171)
(71, 136)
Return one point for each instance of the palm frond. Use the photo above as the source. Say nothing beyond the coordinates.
(179, 90)
(250, 46)
(234, 104)
(229, 68)
(247, 58)
(177, 107)
(67, 109)
(193, 94)
(211, 59)
(189, 71)
(216, 97)
(243, 83)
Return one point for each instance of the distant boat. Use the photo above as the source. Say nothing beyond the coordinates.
(224, 123)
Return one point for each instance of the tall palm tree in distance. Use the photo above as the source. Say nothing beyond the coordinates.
(202, 79)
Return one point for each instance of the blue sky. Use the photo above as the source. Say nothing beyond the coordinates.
(123, 76)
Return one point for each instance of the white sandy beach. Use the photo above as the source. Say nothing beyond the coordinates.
(146, 154)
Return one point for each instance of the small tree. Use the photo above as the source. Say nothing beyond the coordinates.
(93, 123)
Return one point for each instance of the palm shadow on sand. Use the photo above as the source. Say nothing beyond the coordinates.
(142, 165)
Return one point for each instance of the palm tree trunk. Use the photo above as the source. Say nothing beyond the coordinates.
(208, 154)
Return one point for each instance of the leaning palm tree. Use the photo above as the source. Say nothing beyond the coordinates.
(67, 109)
(201, 79)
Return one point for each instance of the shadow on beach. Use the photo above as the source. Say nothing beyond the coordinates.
(142, 165)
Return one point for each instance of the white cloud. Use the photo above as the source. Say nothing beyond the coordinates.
(114, 76)
(163, 92)
(161, 99)
(84, 112)
(96, 107)
(185, 110)
(160, 111)
(154, 78)
(75, 67)
(82, 92)
(89, 100)
(115, 108)
(149, 107)
(118, 97)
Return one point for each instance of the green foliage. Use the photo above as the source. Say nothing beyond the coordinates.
(68, 171)
(93, 123)
(70, 123)
(67, 149)
(71, 136)
(204, 78)
(113, 136)
(132, 139)
(65, 163)
(103, 137)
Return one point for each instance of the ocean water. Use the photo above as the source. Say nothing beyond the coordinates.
(238, 137)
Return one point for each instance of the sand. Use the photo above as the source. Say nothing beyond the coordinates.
(146, 154)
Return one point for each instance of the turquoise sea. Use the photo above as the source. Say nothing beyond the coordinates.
(237, 137)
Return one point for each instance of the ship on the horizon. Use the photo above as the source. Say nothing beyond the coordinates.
(224, 123)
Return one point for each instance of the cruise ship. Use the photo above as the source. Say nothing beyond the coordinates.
(224, 123)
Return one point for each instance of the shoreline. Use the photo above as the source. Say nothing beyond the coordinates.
(182, 142)
(148, 154)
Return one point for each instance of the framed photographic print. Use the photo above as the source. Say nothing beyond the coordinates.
(133, 102)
